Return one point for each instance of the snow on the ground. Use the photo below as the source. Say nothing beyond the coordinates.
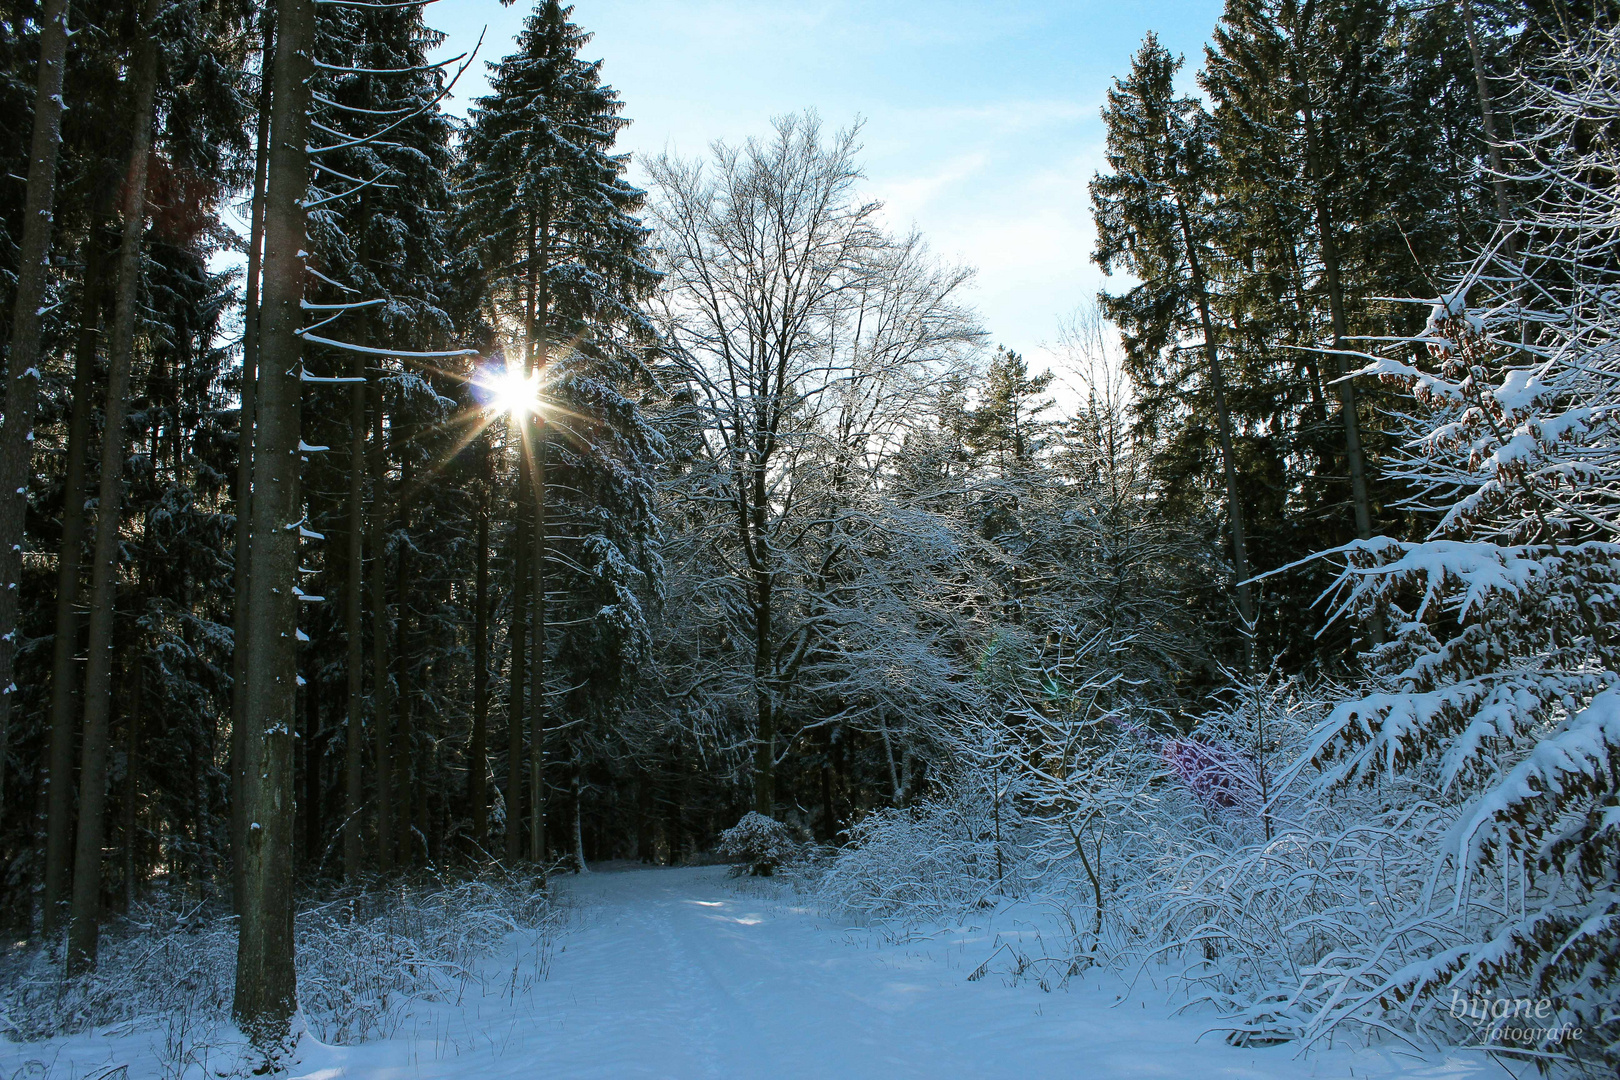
(684, 973)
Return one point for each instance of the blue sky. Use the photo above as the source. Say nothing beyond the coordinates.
(981, 119)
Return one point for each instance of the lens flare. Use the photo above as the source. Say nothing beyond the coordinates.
(506, 389)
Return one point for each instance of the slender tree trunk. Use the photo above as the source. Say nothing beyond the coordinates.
(354, 587)
(435, 815)
(765, 727)
(1316, 173)
(404, 655)
(1347, 390)
(22, 370)
(84, 926)
(579, 831)
(1223, 415)
(382, 693)
(244, 466)
(430, 807)
(266, 987)
(354, 795)
(675, 824)
(518, 636)
(478, 749)
(539, 706)
(132, 773)
(829, 820)
(765, 719)
(314, 756)
(64, 720)
(1487, 114)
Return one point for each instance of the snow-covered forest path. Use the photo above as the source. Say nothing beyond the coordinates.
(684, 973)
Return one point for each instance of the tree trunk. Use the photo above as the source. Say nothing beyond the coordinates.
(314, 755)
(382, 692)
(22, 371)
(765, 728)
(676, 823)
(579, 832)
(405, 733)
(1223, 415)
(1347, 389)
(84, 927)
(888, 754)
(765, 720)
(1316, 174)
(1487, 114)
(478, 748)
(244, 466)
(829, 816)
(354, 796)
(520, 657)
(266, 989)
(64, 676)
(539, 707)
(132, 772)
(534, 423)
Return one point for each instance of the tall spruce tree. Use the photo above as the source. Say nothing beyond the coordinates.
(1307, 134)
(386, 246)
(86, 914)
(22, 356)
(1345, 129)
(266, 985)
(1156, 218)
(252, 294)
(563, 255)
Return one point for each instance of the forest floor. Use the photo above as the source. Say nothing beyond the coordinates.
(686, 973)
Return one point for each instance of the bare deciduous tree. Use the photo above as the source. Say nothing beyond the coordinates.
(806, 335)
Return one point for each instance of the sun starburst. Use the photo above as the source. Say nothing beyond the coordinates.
(507, 389)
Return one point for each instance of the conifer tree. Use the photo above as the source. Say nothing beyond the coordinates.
(1155, 218)
(85, 921)
(1007, 422)
(1497, 694)
(387, 247)
(1317, 118)
(64, 673)
(265, 996)
(22, 357)
(563, 256)
(244, 442)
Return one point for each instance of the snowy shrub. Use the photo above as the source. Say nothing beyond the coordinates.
(361, 957)
(758, 845)
(1221, 777)
(923, 863)
(1279, 933)
(160, 957)
(1318, 860)
(1464, 835)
